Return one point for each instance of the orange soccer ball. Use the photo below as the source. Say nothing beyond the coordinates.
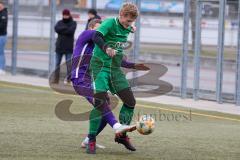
(145, 124)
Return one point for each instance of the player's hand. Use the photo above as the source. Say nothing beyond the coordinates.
(134, 28)
(111, 52)
(141, 67)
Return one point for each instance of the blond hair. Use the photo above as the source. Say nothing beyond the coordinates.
(129, 9)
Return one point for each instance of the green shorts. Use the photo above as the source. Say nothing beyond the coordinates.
(113, 81)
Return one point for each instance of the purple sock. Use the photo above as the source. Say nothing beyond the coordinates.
(108, 116)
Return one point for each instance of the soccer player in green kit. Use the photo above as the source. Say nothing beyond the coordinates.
(107, 74)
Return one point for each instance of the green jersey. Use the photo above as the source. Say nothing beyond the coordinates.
(115, 35)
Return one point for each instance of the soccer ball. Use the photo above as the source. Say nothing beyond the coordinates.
(145, 124)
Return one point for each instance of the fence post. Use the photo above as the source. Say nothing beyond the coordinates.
(220, 58)
(15, 37)
(185, 49)
(237, 91)
(52, 35)
(136, 40)
(197, 49)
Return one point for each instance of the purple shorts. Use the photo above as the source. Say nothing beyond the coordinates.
(83, 86)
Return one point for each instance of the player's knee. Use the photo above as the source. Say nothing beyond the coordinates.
(131, 103)
(100, 99)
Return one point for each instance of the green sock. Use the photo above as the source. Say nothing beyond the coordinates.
(126, 114)
(95, 121)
